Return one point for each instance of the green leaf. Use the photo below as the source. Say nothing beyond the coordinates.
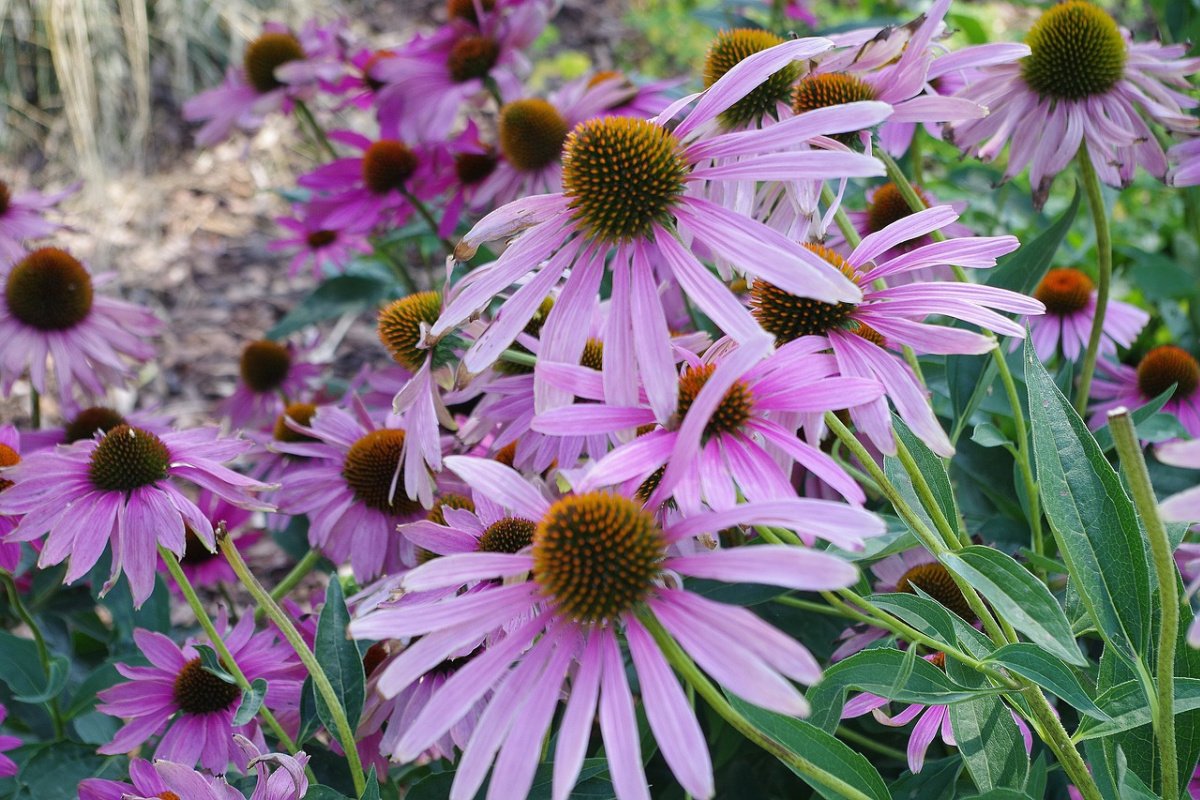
(988, 435)
(20, 666)
(1049, 672)
(210, 662)
(938, 780)
(897, 675)
(84, 696)
(988, 739)
(1127, 708)
(54, 772)
(252, 700)
(1000, 794)
(338, 656)
(333, 298)
(818, 747)
(592, 775)
(930, 466)
(1142, 417)
(1092, 518)
(320, 792)
(309, 720)
(1020, 598)
(371, 790)
(969, 377)
(60, 666)
(928, 616)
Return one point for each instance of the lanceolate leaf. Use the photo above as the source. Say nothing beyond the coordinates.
(1091, 516)
(1050, 673)
(898, 676)
(339, 658)
(252, 701)
(818, 747)
(1127, 708)
(988, 738)
(1020, 598)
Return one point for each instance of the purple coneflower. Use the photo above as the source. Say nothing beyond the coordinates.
(177, 689)
(352, 487)
(1070, 300)
(326, 248)
(1160, 369)
(376, 187)
(1186, 157)
(87, 422)
(597, 561)
(119, 488)
(22, 217)
(8, 767)
(736, 429)
(931, 720)
(50, 310)
(278, 67)
(10, 456)
(1084, 83)
(864, 335)
(625, 193)
(271, 374)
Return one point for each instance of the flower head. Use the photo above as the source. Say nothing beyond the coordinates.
(598, 563)
(177, 688)
(865, 335)
(278, 67)
(270, 375)
(120, 488)
(354, 489)
(51, 311)
(1160, 369)
(1070, 301)
(1085, 83)
(22, 217)
(327, 248)
(626, 193)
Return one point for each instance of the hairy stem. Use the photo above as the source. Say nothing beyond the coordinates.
(344, 733)
(210, 630)
(1134, 466)
(1091, 185)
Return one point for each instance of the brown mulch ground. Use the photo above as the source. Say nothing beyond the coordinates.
(189, 238)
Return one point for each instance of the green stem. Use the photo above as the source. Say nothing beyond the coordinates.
(692, 675)
(344, 732)
(1055, 736)
(227, 659)
(35, 408)
(423, 210)
(868, 742)
(808, 605)
(302, 568)
(931, 540)
(517, 357)
(1134, 466)
(14, 600)
(925, 494)
(915, 157)
(1024, 461)
(314, 128)
(1091, 185)
(840, 218)
(398, 269)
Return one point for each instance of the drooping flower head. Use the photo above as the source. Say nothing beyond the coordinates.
(626, 185)
(1084, 83)
(932, 720)
(271, 374)
(865, 335)
(597, 563)
(22, 218)
(177, 688)
(119, 488)
(1161, 368)
(277, 68)
(51, 311)
(1070, 301)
